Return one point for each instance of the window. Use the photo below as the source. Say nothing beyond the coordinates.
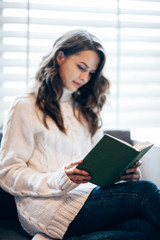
(129, 31)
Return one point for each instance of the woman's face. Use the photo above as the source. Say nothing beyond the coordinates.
(76, 70)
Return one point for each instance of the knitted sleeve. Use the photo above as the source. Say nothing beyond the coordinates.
(16, 149)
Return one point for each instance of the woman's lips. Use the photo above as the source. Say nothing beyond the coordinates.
(77, 84)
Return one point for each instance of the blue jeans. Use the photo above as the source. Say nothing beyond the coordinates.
(129, 210)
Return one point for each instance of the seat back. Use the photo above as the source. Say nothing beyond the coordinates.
(7, 203)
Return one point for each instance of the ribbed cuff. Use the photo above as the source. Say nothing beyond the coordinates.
(63, 181)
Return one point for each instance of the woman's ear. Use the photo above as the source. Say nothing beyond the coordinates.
(60, 57)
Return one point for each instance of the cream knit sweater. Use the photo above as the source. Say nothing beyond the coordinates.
(32, 163)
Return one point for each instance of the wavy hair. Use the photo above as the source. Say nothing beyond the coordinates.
(89, 99)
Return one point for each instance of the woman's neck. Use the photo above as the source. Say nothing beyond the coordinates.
(66, 95)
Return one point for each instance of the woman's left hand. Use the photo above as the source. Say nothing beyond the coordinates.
(133, 174)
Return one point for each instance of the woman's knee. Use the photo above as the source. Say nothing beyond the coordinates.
(142, 188)
(147, 187)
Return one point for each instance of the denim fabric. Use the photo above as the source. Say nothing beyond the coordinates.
(129, 210)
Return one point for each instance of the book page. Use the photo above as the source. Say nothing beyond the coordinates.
(138, 146)
(141, 146)
(122, 141)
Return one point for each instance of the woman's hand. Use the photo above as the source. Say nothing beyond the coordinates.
(133, 174)
(76, 175)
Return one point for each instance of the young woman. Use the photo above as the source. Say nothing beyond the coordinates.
(48, 132)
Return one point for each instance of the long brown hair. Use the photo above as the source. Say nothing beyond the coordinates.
(89, 99)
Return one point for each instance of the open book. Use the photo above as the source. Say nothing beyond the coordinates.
(110, 157)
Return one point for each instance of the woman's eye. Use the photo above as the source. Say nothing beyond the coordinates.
(81, 68)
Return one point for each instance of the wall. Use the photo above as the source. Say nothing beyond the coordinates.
(151, 165)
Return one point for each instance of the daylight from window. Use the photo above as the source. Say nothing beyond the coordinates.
(130, 33)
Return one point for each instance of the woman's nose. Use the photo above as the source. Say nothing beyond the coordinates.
(84, 77)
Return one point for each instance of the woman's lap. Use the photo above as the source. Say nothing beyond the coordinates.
(120, 207)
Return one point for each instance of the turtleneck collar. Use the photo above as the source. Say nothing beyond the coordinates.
(66, 95)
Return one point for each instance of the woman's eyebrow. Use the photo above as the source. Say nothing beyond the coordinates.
(87, 66)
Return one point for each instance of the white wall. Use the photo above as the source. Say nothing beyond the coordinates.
(151, 165)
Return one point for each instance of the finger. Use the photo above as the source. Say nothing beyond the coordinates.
(134, 176)
(81, 172)
(132, 170)
(71, 171)
(130, 176)
(79, 182)
(72, 164)
(138, 163)
(80, 177)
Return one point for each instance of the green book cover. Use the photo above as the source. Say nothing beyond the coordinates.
(110, 157)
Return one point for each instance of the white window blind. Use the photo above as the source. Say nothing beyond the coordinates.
(129, 31)
(139, 65)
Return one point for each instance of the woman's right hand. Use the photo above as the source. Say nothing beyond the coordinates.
(76, 175)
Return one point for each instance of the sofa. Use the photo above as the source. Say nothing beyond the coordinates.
(10, 228)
